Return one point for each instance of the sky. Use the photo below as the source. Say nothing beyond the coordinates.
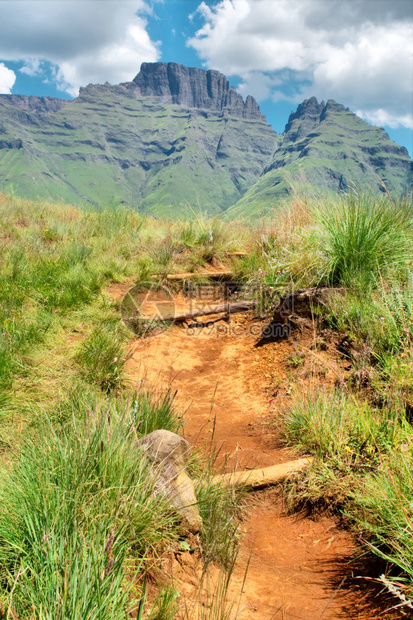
(357, 52)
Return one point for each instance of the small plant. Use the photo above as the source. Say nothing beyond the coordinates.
(102, 358)
(220, 511)
(296, 360)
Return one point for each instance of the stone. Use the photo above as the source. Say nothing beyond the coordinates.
(167, 454)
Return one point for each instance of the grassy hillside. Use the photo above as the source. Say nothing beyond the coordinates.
(107, 148)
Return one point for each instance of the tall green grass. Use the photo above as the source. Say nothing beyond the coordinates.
(102, 358)
(363, 469)
(360, 239)
(384, 514)
(79, 517)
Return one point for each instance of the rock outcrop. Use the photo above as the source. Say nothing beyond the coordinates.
(178, 138)
(40, 105)
(327, 147)
(193, 88)
(168, 454)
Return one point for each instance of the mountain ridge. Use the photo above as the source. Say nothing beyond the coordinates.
(179, 136)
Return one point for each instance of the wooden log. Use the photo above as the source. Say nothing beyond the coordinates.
(208, 275)
(227, 308)
(236, 253)
(267, 476)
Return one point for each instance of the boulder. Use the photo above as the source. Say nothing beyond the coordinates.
(167, 454)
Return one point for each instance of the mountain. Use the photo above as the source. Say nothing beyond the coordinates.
(325, 146)
(178, 137)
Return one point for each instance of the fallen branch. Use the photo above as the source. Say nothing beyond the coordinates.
(267, 476)
(302, 302)
(208, 275)
(227, 308)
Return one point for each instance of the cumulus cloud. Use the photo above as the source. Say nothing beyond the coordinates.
(32, 67)
(7, 79)
(88, 41)
(359, 53)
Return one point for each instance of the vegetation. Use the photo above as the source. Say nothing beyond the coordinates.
(81, 523)
(361, 241)
(79, 514)
(162, 159)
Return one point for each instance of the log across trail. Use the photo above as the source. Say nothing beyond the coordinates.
(226, 308)
(232, 392)
(264, 477)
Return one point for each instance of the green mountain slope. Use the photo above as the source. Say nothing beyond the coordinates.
(326, 147)
(105, 147)
(177, 137)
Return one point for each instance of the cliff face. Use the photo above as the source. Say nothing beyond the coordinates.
(192, 88)
(176, 138)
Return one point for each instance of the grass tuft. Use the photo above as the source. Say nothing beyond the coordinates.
(360, 239)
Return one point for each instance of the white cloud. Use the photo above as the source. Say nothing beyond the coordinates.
(359, 53)
(381, 117)
(116, 62)
(87, 41)
(33, 67)
(258, 83)
(7, 79)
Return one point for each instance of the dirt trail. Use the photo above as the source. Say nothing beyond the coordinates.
(230, 387)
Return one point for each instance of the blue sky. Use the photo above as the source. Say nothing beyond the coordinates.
(358, 52)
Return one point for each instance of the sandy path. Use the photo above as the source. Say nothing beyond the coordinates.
(228, 388)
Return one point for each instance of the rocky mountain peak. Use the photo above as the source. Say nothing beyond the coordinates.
(193, 88)
(304, 120)
(308, 116)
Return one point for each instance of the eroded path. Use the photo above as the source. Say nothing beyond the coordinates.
(230, 388)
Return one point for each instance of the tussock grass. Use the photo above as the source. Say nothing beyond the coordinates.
(102, 358)
(384, 514)
(363, 469)
(220, 510)
(360, 239)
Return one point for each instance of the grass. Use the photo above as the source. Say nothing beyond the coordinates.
(385, 517)
(363, 457)
(77, 502)
(361, 240)
(80, 524)
(102, 358)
